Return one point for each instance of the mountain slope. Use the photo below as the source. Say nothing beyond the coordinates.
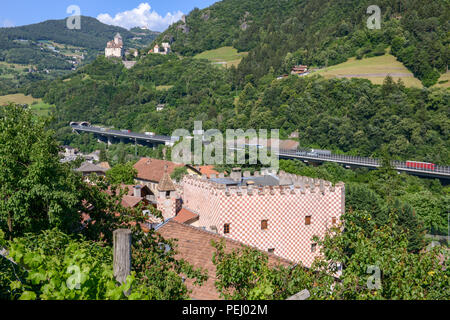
(49, 49)
(92, 35)
(282, 33)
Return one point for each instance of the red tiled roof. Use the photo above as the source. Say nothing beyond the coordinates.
(104, 165)
(130, 201)
(112, 44)
(166, 183)
(185, 216)
(153, 169)
(208, 170)
(194, 246)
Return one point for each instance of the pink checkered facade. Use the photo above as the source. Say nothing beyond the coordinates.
(284, 207)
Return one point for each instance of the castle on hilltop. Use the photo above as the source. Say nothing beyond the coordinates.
(114, 48)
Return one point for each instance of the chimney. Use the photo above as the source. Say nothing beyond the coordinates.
(137, 191)
(236, 174)
(284, 179)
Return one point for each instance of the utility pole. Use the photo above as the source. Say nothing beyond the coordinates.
(302, 295)
(122, 255)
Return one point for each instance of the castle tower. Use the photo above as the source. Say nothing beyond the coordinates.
(168, 202)
(118, 40)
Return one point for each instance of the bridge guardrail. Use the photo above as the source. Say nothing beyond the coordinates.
(301, 153)
(361, 161)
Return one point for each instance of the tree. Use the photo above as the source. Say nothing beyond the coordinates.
(178, 173)
(36, 191)
(430, 209)
(409, 224)
(103, 157)
(122, 173)
(245, 274)
(55, 220)
(377, 253)
(360, 197)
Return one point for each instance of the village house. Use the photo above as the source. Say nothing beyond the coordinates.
(207, 170)
(69, 151)
(114, 48)
(150, 171)
(164, 49)
(93, 156)
(300, 70)
(87, 168)
(104, 165)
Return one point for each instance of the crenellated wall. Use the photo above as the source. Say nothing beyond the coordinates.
(285, 207)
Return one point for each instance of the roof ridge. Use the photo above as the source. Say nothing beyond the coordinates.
(225, 238)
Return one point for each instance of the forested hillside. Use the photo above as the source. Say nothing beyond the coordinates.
(349, 116)
(280, 34)
(352, 116)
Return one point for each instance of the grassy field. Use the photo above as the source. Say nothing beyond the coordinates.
(375, 69)
(42, 109)
(225, 56)
(443, 78)
(18, 98)
(39, 108)
(163, 88)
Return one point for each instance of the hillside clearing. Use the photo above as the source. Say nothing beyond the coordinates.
(164, 88)
(39, 108)
(18, 98)
(375, 69)
(225, 56)
(444, 81)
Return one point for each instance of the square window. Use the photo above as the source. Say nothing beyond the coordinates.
(307, 220)
(313, 247)
(333, 220)
(264, 224)
(226, 228)
(272, 250)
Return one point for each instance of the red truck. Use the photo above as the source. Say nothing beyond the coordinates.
(420, 165)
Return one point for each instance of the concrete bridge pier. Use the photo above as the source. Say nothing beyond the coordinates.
(102, 139)
(140, 143)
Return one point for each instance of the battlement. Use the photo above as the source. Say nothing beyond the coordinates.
(288, 184)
